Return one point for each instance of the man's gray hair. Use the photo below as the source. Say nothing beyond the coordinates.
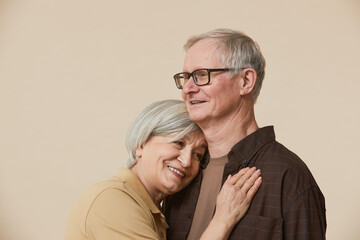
(236, 51)
(162, 118)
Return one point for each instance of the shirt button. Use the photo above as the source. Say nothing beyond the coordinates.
(244, 161)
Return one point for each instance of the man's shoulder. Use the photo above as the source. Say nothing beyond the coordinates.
(278, 153)
(283, 166)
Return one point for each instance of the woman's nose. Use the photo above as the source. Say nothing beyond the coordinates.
(185, 158)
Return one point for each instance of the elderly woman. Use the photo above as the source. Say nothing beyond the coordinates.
(165, 150)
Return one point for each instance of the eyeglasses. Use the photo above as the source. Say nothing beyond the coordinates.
(201, 77)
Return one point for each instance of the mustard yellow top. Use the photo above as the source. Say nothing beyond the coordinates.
(119, 208)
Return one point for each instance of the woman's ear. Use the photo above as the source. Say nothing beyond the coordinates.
(247, 81)
(138, 152)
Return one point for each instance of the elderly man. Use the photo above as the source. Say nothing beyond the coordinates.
(221, 80)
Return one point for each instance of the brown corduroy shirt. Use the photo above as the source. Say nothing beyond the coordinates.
(288, 205)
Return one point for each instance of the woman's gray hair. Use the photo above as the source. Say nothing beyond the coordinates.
(161, 118)
(236, 51)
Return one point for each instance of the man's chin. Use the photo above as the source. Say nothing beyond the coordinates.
(196, 116)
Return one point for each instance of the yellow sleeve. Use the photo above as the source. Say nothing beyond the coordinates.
(116, 215)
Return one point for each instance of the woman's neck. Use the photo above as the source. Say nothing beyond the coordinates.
(155, 195)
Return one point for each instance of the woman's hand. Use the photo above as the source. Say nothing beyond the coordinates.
(232, 202)
(236, 194)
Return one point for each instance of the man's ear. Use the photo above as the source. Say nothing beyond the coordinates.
(247, 81)
(138, 152)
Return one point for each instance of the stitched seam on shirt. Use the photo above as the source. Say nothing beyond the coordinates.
(300, 195)
(91, 205)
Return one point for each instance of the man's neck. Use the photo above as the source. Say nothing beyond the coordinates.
(223, 134)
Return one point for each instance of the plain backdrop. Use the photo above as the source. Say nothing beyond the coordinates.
(74, 74)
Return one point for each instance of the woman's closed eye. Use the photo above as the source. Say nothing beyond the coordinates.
(179, 143)
(198, 156)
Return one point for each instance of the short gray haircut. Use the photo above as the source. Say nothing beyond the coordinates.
(161, 118)
(236, 51)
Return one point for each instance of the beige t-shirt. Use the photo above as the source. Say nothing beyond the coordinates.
(210, 187)
(119, 208)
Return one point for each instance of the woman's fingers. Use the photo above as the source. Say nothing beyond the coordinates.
(253, 189)
(248, 180)
(244, 179)
(237, 176)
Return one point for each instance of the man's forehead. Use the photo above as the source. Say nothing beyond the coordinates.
(203, 54)
(205, 43)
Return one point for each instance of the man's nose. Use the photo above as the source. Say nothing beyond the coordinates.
(190, 86)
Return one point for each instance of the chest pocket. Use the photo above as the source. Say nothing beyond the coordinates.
(258, 227)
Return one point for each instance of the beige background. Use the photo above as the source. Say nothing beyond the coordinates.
(74, 73)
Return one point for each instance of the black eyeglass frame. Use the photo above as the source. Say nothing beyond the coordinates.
(209, 70)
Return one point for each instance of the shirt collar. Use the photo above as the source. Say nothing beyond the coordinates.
(133, 181)
(247, 147)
